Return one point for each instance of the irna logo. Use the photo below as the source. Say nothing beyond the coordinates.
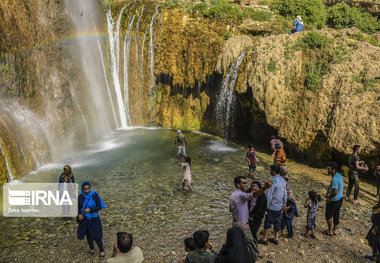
(38, 197)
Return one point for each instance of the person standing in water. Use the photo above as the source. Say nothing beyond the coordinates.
(180, 141)
(186, 172)
(251, 159)
(66, 183)
(89, 203)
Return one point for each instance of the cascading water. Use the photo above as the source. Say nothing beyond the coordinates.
(226, 99)
(151, 51)
(127, 51)
(114, 47)
(6, 164)
(83, 15)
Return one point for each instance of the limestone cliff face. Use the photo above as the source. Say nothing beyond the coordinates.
(320, 123)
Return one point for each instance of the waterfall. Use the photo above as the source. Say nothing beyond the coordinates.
(23, 155)
(114, 67)
(117, 38)
(151, 51)
(127, 51)
(226, 98)
(74, 98)
(107, 84)
(142, 53)
(82, 14)
(6, 164)
(137, 31)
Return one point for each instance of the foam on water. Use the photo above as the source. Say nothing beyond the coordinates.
(220, 146)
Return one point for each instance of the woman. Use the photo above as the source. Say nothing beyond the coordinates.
(89, 203)
(257, 208)
(67, 176)
(235, 249)
(186, 172)
(67, 183)
(377, 175)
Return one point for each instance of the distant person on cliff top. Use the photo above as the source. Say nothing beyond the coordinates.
(355, 165)
(89, 203)
(180, 141)
(334, 199)
(123, 252)
(297, 25)
(279, 155)
(186, 172)
(251, 159)
(377, 174)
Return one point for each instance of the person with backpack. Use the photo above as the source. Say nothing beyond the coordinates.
(89, 203)
(377, 174)
(355, 165)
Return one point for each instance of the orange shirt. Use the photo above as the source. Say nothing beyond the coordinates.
(280, 157)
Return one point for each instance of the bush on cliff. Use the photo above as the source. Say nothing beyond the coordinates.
(313, 12)
(314, 40)
(256, 15)
(342, 16)
(222, 9)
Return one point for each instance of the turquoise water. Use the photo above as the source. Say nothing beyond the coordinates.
(136, 174)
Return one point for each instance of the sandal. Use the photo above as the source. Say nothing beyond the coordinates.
(355, 202)
(326, 232)
(313, 237)
(347, 199)
(274, 241)
(262, 242)
(91, 253)
(102, 256)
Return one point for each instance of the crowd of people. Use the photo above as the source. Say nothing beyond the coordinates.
(273, 202)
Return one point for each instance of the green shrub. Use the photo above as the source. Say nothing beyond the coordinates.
(202, 7)
(263, 2)
(314, 40)
(227, 35)
(313, 80)
(272, 65)
(342, 16)
(256, 15)
(312, 11)
(222, 9)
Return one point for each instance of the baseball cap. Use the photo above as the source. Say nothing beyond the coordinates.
(283, 169)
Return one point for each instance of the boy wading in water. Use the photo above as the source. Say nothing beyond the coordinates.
(186, 172)
(251, 159)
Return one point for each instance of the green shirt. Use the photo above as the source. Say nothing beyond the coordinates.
(200, 256)
(180, 138)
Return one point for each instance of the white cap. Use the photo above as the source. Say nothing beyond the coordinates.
(178, 131)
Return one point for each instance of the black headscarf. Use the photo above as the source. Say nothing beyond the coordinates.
(235, 250)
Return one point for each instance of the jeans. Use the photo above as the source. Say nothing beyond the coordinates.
(289, 225)
(353, 179)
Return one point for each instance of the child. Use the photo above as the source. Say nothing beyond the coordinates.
(312, 206)
(290, 212)
(189, 246)
(186, 172)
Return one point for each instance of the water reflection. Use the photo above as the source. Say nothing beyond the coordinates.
(136, 174)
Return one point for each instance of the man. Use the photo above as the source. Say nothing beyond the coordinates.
(279, 155)
(334, 199)
(251, 159)
(239, 199)
(180, 141)
(276, 199)
(354, 165)
(297, 25)
(123, 251)
(201, 255)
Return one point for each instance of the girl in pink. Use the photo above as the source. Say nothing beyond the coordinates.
(186, 172)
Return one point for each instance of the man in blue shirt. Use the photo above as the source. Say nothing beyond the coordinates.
(297, 25)
(276, 202)
(334, 199)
